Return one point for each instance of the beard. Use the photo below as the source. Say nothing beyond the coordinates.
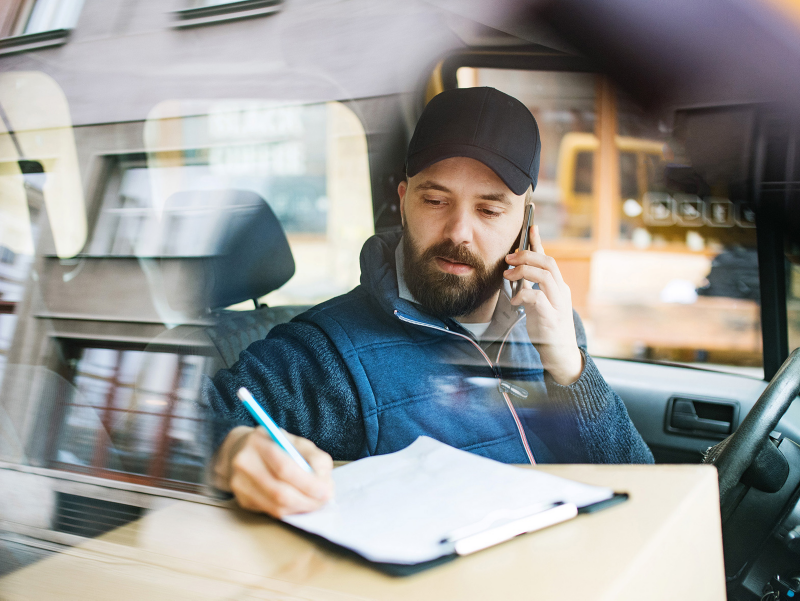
(444, 294)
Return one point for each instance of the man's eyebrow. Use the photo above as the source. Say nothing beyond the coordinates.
(432, 185)
(498, 197)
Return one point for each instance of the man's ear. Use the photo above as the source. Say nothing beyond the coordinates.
(402, 188)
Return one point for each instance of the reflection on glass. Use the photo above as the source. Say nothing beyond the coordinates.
(47, 15)
(135, 412)
(21, 202)
(308, 162)
(682, 283)
(564, 107)
(41, 156)
(661, 265)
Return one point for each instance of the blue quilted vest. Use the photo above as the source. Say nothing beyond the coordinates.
(417, 375)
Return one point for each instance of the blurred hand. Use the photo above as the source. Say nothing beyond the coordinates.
(264, 478)
(550, 324)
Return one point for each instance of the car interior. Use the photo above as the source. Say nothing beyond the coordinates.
(668, 197)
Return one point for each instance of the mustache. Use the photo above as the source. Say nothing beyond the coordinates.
(446, 249)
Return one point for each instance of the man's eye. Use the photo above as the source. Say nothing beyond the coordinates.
(490, 213)
(434, 201)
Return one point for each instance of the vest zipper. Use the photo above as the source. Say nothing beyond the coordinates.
(503, 387)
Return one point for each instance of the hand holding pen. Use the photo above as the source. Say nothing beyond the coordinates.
(550, 322)
(264, 477)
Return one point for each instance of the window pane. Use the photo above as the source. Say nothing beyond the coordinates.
(682, 283)
(135, 412)
(308, 162)
(47, 15)
(564, 107)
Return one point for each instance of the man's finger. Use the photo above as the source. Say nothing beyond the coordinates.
(536, 259)
(266, 479)
(544, 278)
(271, 496)
(537, 240)
(535, 299)
(249, 482)
(287, 499)
(284, 468)
(319, 460)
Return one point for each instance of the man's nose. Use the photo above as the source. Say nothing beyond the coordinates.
(459, 226)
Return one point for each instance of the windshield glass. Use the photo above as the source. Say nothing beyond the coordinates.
(660, 255)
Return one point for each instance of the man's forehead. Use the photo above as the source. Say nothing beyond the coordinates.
(462, 174)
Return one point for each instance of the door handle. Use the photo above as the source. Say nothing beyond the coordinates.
(701, 418)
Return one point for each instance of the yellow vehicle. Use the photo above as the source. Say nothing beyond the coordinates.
(638, 159)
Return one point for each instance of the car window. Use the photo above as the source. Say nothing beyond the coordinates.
(309, 162)
(108, 374)
(661, 259)
(564, 105)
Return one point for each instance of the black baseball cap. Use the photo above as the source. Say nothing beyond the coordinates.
(483, 124)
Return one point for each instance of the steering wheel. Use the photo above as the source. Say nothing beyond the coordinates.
(734, 455)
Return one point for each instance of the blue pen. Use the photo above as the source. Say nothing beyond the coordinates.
(272, 428)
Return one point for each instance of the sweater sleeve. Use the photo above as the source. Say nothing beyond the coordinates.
(301, 381)
(605, 432)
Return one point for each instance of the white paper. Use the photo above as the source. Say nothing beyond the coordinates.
(398, 508)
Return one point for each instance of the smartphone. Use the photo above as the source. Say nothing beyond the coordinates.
(524, 242)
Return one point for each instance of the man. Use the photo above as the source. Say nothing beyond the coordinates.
(432, 342)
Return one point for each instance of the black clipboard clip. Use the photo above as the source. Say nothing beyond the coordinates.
(500, 526)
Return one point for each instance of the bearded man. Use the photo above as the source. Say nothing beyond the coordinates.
(432, 342)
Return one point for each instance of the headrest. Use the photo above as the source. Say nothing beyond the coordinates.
(236, 238)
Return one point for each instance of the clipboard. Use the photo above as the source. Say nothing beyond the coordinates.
(430, 503)
(401, 570)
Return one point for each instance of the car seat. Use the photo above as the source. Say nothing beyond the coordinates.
(239, 252)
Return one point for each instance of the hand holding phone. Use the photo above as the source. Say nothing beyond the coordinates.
(548, 307)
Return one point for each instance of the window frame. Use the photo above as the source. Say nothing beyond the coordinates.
(18, 41)
(770, 198)
(196, 16)
(524, 58)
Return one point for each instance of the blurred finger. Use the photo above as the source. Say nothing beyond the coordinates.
(537, 240)
(319, 460)
(536, 259)
(284, 468)
(250, 483)
(271, 496)
(287, 499)
(544, 278)
(533, 300)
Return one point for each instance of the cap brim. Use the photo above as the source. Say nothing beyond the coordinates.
(513, 177)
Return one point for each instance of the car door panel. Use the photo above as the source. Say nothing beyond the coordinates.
(650, 391)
